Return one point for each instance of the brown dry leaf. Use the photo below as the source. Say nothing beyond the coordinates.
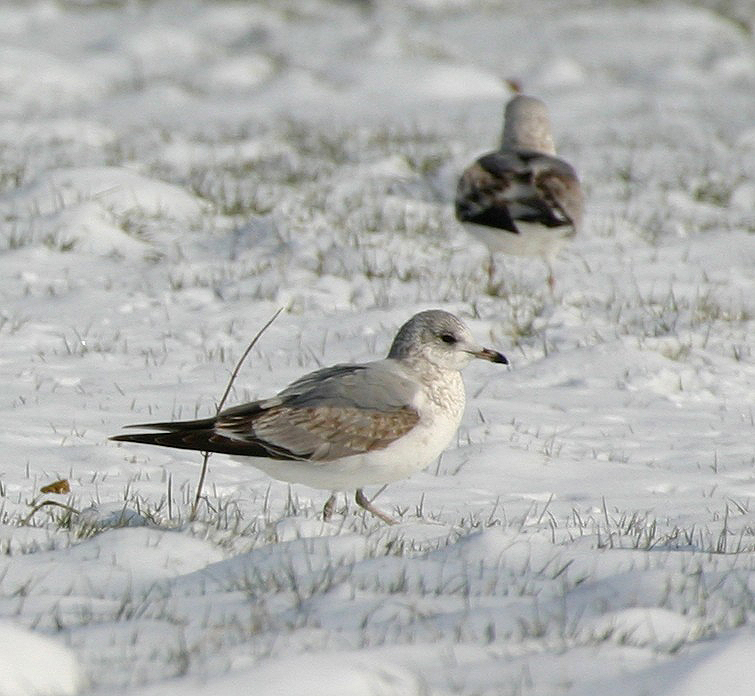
(61, 487)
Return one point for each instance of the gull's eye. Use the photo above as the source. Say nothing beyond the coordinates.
(448, 338)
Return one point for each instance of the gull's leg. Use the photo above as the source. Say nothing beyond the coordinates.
(327, 509)
(363, 502)
(491, 272)
(549, 257)
(551, 277)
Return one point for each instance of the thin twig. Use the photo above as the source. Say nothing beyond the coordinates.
(234, 374)
(44, 503)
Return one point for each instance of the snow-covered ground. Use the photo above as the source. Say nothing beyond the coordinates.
(172, 173)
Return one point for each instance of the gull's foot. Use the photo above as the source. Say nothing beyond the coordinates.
(363, 502)
(327, 509)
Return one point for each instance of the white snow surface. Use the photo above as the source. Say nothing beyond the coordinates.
(33, 664)
(173, 172)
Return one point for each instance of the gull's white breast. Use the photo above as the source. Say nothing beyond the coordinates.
(533, 239)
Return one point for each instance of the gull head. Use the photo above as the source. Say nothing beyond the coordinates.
(527, 126)
(441, 339)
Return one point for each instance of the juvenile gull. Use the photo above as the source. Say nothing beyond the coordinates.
(352, 425)
(521, 199)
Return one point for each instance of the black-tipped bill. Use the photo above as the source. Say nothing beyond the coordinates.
(491, 355)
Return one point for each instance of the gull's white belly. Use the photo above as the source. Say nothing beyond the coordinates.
(533, 240)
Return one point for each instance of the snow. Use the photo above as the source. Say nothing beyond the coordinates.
(724, 668)
(172, 173)
(31, 664)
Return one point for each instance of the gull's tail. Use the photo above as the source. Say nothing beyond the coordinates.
(199, 435)
(192, 435)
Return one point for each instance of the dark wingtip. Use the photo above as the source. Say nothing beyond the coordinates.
(462, 211)
(145, 438)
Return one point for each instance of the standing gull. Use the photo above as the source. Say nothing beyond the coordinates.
(521, 199)
(352, 425)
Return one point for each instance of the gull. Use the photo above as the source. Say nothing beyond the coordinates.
(521, 199)
(351, 425)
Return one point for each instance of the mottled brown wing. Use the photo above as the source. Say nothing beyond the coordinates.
(335, 412)
(320, 433)
(558, 185)
(504, 187)
(328, 414)
(481, 195)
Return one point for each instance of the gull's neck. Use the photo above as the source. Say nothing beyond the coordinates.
(528, 136)
(443, 386)
(527, 126)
